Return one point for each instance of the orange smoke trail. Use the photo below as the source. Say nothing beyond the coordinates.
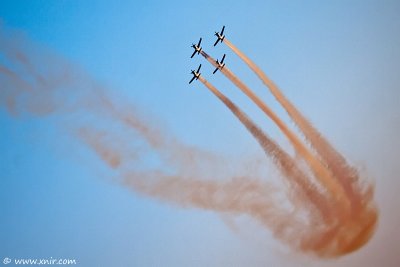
(183, 178)
(8, 95)
(336, 237)
(243, 195)
(239, 195)
(108, 147)
(320, 171)
(357, 230)
(346, 175)
(285, 163)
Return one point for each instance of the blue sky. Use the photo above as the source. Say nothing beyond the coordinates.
(338, 62)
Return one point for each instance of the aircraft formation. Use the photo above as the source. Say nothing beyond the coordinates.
(198, 49)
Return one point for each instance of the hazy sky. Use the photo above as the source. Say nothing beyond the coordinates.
(338, 62)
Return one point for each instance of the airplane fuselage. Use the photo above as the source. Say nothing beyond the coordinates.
(220, 38)
(197, 50)
(196, 74)
(220, 35)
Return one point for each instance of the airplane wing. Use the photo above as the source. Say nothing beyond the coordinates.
(198, 45)
(215, 70)
(216, 42)
(198, 68)
(222, 31)
(222, 60)
(194, 53)
(192, 79)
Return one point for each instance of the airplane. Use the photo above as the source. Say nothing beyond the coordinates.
(220, 36)
(196, 74)
(220, 64)
(197, 48)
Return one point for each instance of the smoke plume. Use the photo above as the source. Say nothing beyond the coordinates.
(330, 212)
